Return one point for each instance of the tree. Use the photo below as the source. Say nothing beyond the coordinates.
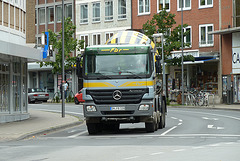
(70, 44)
(162, 22)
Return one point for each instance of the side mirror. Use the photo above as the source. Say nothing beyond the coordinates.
(158, 65)
(79, 67)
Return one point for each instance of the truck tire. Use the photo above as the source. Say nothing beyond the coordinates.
(150, 127)
(93, 128)
(163, 115)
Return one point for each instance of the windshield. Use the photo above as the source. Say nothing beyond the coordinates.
(135, 65)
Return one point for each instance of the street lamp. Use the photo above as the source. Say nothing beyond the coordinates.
(182, 52)
(63, 96)
(160, 37)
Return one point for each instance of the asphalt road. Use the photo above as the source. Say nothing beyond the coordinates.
(190, 134)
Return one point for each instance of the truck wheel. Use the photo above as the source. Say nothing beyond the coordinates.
(93, 128)
(163, 116)
(150, 127)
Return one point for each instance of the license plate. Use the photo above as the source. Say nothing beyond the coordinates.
(42, 95)
(117, 108)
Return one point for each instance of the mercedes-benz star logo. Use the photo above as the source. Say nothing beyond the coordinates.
(117, 95)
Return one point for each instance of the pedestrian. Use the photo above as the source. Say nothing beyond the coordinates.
(65, 87)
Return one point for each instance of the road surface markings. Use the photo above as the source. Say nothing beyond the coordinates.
(206, 118)
(134, 157)
(78, 134)
(156, 153)
(179, 150)
(174, 118)
(213, 127)
(180, 124)
(168, 130)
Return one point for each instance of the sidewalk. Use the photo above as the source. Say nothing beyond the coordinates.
(40, 122)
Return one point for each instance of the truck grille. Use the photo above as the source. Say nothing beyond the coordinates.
(128, 96)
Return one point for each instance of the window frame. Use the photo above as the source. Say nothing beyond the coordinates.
(41, 16)
(184, 5)
(66, 9)
(144, 7)
(96, 19)
(122, 16)
(206, 35)
(57, 16)
(109, 35)
(108, 16)
(49, 15)
(96, 34)
(84, 44)
(164, 4)
(206, 5)
(185, 38)
(81, 17)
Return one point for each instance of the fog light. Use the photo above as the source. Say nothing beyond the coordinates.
(144, 107)
(91, 108)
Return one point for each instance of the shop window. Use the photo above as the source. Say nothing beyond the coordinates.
(4, 87)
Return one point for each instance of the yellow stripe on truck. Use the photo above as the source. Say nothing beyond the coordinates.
(97, 84)
(137, 84)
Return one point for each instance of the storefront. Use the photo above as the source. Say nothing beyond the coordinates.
(200, 75)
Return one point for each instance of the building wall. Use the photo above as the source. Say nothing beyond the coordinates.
(102, 26)
(226, 54)
(30, 22)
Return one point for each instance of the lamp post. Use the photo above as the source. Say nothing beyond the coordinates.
(182, 53)
(158, 35)
(63, 79)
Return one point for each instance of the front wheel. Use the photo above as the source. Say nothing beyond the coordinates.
(163, 116)
(93, 128)
(76, 101)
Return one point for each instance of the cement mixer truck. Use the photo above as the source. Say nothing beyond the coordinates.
(120, 83)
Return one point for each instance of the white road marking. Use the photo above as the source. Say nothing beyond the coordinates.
(206, 118)
(174, 118)
(156, 153)
(178, 150)
(180, 123)
(78, 134)
(134, 157)
(168, 130)
(213, 127)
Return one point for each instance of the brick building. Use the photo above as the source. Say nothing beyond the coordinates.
(202, 17)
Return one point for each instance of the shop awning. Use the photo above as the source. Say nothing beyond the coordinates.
(202, 59)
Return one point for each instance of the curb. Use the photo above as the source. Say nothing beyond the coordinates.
(51, 129)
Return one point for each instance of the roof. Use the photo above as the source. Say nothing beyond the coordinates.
(226, 31)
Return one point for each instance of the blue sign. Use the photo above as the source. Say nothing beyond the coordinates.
(45, 51)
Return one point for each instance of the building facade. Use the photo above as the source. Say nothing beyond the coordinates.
(48, 15)
(202, 17)
(229, 32)
(98, 20)
(14, 56)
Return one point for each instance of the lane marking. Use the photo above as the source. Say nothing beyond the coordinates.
(134, 157)
(168, 130)
(206, 118)
(156, 153)
(179, 150)
(174, 118)
(180, 123)
(78, 134)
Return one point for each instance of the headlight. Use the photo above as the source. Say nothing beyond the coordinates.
(91, 108)
(144, 107)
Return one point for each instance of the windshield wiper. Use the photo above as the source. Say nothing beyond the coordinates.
(136, 76)
(102, 76)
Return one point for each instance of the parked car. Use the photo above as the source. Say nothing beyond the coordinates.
(78, 98)
(37, 94)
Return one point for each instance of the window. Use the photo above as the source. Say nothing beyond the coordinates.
(35, 16)
(68, 12)
(96, 39)
(85, 38)
(84, 13)
(122, 14)
(96, 12)
(143, 6)
(186, 4)
(205, 3)
(108, 35)
(59, 13)
(205, 39)
(188, 37)
(41, 15)
(50, 15)
(163, 4)
(108, 10)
